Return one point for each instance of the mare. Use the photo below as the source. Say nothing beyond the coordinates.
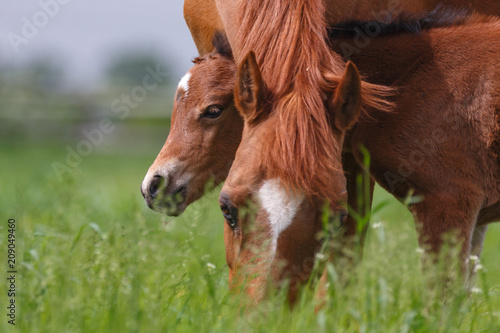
(204, 20)
(442, 140)
(301, 86)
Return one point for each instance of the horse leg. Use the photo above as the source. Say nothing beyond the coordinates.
(440, 216)
(475, 253)
(478, 239)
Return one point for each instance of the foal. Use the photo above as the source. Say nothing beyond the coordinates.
(204, 134)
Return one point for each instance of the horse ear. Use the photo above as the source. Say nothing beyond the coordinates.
(249, 90)
(346, 104)
(221, 44)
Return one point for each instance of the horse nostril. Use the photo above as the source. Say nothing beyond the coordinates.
(155, 185)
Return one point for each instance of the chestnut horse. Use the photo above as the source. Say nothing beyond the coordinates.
(442, 140)
(203, 19)
(205, 133)
(301, 85)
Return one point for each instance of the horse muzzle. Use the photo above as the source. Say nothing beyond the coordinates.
(166, 192)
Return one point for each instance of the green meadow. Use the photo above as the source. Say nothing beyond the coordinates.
(91, 257)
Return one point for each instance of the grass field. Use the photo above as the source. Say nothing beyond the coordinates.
(91, 257)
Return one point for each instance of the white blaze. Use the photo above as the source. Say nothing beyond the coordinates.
(184, 83)
(281, 206)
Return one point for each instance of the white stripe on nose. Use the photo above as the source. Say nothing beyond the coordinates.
(281, 206)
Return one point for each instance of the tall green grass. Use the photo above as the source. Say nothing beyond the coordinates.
(92, 258)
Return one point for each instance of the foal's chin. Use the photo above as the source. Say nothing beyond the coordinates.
(171, 202)
(175, 204)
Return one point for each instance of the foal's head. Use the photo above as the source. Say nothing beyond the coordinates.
(287, 165)
(204, 135)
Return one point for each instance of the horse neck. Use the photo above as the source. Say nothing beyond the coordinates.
(342, 11)
(488, 7)
(436, 64)
(392, 60)
(387, 60)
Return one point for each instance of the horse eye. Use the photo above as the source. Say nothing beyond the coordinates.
(212, 112)
(343, 217)
(338, 219)
(226, 211)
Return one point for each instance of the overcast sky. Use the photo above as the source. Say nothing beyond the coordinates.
(83, 35)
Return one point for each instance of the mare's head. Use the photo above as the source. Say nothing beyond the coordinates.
(287, 166)
(204, 135)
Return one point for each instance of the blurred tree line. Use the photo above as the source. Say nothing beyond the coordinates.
(130, 69)
(35, 103)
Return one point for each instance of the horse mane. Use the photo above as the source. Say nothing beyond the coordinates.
(442, 16)
(289, 39)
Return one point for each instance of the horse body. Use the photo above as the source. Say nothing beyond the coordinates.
(441, 141)
(204, 20)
